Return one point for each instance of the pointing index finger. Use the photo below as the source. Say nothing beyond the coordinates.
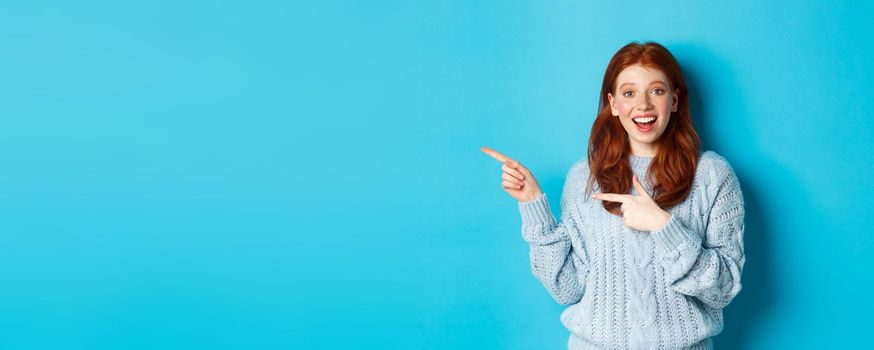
(612, 197)
(495, 154)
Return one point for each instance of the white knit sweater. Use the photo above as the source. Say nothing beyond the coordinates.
(630, 289)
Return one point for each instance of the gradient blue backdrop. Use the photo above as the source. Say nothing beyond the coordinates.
(275, 175)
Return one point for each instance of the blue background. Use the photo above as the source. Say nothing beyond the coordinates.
(274, 175)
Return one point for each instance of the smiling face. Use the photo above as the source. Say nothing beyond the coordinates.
(643, 102)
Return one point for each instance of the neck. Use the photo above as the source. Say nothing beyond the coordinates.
(643, 150)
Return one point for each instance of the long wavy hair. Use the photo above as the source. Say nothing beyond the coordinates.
(673, 167)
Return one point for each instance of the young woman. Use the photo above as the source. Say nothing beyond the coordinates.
(649, 249)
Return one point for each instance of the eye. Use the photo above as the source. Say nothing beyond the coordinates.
(659, 91)
(627, 92)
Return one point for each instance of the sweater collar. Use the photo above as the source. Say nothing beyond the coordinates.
(639, 163)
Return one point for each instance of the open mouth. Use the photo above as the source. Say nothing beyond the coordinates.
(645, 123)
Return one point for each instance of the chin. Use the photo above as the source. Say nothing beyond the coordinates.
(648, 139)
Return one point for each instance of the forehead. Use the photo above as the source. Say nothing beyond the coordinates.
(639, 75)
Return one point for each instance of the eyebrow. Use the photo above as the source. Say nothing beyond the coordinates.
(653, 83)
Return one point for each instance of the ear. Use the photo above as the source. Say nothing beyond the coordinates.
(612, 107)
(676, 101)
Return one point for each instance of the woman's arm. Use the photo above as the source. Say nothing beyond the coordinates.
(553, 259)
(708, 270)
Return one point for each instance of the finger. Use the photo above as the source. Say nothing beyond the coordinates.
(515, 173)
(495, 154)
(507, 184)
(510, 178)
(640, 190)
(612, 197)
(518, 166)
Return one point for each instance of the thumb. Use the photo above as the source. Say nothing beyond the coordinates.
(640, 190)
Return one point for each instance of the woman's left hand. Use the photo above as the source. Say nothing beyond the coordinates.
(639, 212)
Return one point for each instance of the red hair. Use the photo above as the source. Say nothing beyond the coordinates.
(673, 167)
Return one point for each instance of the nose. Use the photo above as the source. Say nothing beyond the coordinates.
(643, 101)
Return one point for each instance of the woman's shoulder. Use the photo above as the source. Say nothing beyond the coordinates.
(713, 167)
(580, 168)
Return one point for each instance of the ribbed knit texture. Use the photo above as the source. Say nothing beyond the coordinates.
(630, 289)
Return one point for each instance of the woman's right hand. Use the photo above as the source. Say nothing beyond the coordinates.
(516, 179)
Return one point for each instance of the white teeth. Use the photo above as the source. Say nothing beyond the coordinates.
(644, 120)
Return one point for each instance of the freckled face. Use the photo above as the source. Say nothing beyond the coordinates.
(642, 94)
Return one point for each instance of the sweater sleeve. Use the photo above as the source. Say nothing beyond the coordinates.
(553, 258)
(707, 268)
